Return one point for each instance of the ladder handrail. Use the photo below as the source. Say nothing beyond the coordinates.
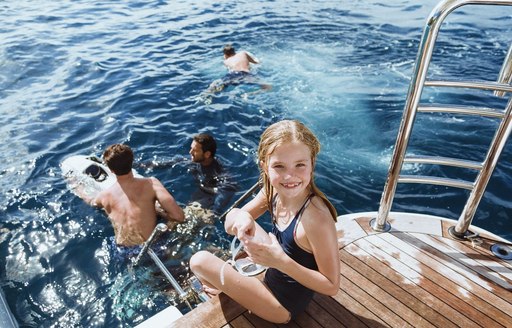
(482, 85)
(491, 159)
(487, 112)
(443, 161)
(418, 81)
(456, 183)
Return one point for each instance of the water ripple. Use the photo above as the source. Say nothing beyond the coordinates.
(78, 76)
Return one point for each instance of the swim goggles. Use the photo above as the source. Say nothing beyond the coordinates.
(243, 265)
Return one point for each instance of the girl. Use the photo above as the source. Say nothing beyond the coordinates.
(301, 253)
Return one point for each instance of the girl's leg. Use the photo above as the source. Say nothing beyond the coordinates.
(249, 292)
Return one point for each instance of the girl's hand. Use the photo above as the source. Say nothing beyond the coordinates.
(244, 224)
(264, 251)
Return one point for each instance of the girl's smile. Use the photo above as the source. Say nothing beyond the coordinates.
(289, 168)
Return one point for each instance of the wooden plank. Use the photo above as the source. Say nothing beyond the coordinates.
(241, 322)
(446, 226)
(489, 263)
(364, 223)
(372, 304)
(483, 246)
(257, 321)
(324, 318)
(487, 284)
(439, 273)
(413, 287)
(421, 302)
(393, 279)
(291, 324)
(359, 310)
(484, 235)
(347, 231)
(380, 292)
(337, 310)
(305, 320)
(215, 313)
(426, 278)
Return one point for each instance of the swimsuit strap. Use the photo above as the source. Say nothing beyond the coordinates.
(298, 216)
(274, 203)
(306, 203)
(299, 212)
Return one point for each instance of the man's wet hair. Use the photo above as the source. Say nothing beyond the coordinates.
(119, 158)
(207, 142)
(229, 50)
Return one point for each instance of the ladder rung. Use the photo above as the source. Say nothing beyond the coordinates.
(444, 161)
(436, 181)
(471, 85)
(487, 112)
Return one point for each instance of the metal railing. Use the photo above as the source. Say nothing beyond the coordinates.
(418, 82)
(195, 290)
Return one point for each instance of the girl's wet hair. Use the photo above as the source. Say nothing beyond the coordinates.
(283, 132)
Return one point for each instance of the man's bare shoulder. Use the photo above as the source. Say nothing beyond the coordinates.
(144, 180)
(154, 184)
(153, 180)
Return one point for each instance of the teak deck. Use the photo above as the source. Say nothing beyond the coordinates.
(416, 275)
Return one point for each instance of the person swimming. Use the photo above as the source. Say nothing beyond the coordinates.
(239, 70)
(216, 186)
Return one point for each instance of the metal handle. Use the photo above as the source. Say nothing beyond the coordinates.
(159, 229)
(241, 199)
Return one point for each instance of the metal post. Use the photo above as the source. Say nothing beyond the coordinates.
(491, 159)
(241, 199)
(425, 51)
(183, 295)
(424, 56)
(505, 76)
(159, 229)
(197, 287)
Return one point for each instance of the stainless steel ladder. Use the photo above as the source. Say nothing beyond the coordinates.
(412, 107)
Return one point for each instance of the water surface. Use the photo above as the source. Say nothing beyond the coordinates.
(78, 76)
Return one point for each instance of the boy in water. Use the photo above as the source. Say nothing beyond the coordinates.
(130, 202)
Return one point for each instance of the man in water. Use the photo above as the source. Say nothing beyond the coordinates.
(238, 65)
(215, 187)
(238, 62)
(132, 203)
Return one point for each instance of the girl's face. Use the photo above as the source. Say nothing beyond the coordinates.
(289, 169)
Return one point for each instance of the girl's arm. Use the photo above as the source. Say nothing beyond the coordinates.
(321, 235)
(240, 221)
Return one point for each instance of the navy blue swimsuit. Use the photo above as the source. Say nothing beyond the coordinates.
(291, 294)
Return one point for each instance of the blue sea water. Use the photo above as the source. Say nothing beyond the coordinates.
(77, 76)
